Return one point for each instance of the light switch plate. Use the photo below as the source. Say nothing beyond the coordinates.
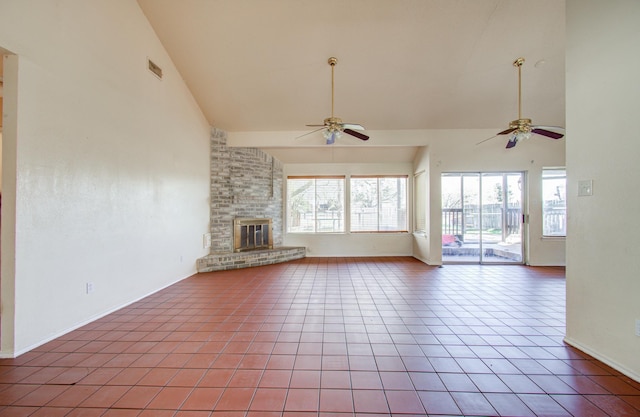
(206, 240)
(585, 188)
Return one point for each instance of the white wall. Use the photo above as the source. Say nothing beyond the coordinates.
(422, 240)
(350, 244)
(603, 247)
(111, 176)
(0, 151)
(458, 152)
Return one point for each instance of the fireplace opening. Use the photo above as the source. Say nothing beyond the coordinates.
(252, 234)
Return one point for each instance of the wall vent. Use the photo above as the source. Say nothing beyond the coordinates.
(155, 69)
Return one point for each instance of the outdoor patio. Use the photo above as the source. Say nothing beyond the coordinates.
(492, 252)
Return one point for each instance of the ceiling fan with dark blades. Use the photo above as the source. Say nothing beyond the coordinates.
(333, 127)
(522, 129)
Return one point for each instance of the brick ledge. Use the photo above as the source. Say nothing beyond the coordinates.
(226, 261)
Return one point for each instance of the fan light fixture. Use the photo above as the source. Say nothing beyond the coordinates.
(331, 134)
(519, 136)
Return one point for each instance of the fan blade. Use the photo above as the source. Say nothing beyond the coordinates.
(358, 135)
(560, 128)
(483, 141)
(308, 133)
(314, 125)
(512, 142)
(505, 132)
(352, 126)
(547, 133)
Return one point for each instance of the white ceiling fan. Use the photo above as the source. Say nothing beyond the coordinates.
(333, 127)
(521, 129)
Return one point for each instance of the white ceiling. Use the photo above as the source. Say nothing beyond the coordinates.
(261, 66)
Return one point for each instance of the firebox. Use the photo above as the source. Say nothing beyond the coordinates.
(252, 234)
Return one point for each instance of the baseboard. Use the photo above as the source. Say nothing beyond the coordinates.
(15, 354)
(425, 261)
(343, 255)
(604, 359)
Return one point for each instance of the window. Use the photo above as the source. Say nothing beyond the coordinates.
(554, 202)
(420, 193)
(379, 204)
(315, 204)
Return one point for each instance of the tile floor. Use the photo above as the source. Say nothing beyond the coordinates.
(327, 337)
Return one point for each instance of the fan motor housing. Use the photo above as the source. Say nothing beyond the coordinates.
(333, 123)
(523, 125)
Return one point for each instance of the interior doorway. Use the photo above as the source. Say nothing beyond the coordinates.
(482, 217)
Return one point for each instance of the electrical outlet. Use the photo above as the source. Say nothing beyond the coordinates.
(638, 327)
(89, 287)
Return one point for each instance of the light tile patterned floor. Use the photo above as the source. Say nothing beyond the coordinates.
(327, 337)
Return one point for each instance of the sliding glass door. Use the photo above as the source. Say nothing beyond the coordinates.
(482, 217)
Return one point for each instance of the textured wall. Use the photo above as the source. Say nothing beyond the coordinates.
(602, 106)
(245, 182)
(106, 167)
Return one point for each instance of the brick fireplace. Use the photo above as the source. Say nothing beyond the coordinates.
(246, 183)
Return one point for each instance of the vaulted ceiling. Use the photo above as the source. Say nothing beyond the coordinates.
(261, 66)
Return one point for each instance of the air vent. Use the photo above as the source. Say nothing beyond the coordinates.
(156, 70)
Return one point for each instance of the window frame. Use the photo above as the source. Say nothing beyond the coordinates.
(544, 209)
(419, 202)
(377, 178)
(315, 217)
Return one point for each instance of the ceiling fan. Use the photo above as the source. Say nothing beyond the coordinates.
(522, 129)
(333, 127)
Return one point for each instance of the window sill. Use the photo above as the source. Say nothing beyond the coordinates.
(381, 232)
(315, 233)
(348, 233)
